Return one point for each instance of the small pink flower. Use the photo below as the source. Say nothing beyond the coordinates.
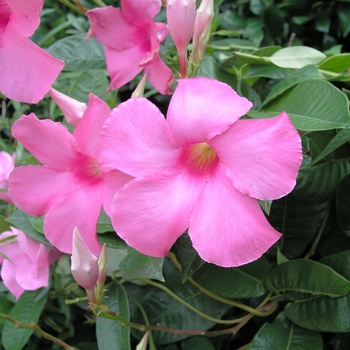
(26, 71)
(69, 188)
(200, 169)
(132, 42)
(27, 262)
(7, 163)
(181, 17)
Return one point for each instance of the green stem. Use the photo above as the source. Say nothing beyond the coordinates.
(250, 310)
(37, 329)
(152, 345)
(189, 306)
(99, 3)
(73, 7)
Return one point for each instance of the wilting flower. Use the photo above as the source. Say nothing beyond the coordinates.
(29, 79)
(132, 42)
(7, 163)
(26, 265)
(69, 187)
(181, 17)
(200, 169)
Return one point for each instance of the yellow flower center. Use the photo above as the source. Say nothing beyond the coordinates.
(201, 157)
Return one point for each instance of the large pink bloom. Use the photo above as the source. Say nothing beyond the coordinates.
(27, 262)
(132, 42)
(69, 188)
(201, 169)
(7, 163)
(26, 71)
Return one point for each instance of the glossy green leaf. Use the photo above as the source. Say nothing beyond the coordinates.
(243, 282)
(309, 110)
(197, 343)
(4, 225)
(337, 63)
(307, 276)
(104, 223)
(79, 53)
(284, 335)
(300, 75)
(339, 262)
(342, 200)
(112, 334)
(297, 57)
(138, 266)
(321, 314)
(27, 310)
(23, 221)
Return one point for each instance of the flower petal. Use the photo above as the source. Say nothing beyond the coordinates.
(136, 140)
(202, 108)
(87, 132)
(109, 27)
(123, 65)
(113, 181)
(72, 109)
(150, 214)
(34, 188)
(261, 156)
(228, 228)
(48, 141)
(8, 275)
(159, 75)
(79, 208)
(25, 15)
(26, 80)
(140, 12)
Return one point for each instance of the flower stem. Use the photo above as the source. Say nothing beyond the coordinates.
(37, 329)
(73, 7)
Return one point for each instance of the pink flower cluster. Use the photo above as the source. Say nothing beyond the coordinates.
(200, 169)
(25, 263)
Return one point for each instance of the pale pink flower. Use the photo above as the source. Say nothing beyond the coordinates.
(7, 163)
(26, 71)
(181, 17)
(26, 265)
(69, 188)
(200, 169)
(132, 42)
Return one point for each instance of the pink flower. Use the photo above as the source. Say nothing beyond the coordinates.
(132, 42)
(69, 188)
(7, 163)
(181, 17)
(200, 169)
(27, 262)
(26, 71)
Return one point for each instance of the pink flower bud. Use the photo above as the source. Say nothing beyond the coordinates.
(201, 33)
(84, 264)
(181, 15)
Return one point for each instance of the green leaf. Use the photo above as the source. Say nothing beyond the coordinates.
(22, 221)
(197, 343)
(243, 282)
(138, 266)
(307, 276)
(321, 314)
(27, 310)
(104, 223)
(4, 225)
(284, 335)
(342, 205)
(79, 53)
(300, 75)
(309, 110)
(112, 334)
(342, 137)
(339, 262)
(297, 57)
(338, 63)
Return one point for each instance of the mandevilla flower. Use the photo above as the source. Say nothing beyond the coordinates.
(69, 188)
(26, 265)
(181, 17)
(132, 42)
(7, 163)
(200, 169)
(29, 79)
